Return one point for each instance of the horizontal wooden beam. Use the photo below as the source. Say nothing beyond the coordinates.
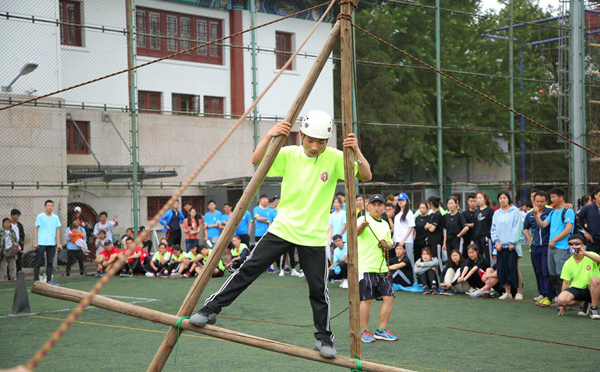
(155, 316)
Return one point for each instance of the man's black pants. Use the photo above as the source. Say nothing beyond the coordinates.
(267, 250)
(50, 251)
(174, 237)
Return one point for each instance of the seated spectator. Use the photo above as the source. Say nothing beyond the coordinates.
(581, 279)
(192, 260)
(128, 234)
(177, 264)
(401, 268)
(138, 260)
(147, 241)
(219, 270)
(339, 268)
(166, 243)
(76, 246)
(9, 246)
(160, 261)
(490, 278)
(99, 242)
(238, 254)
(473, 269)
(107, 257)
(451, 273)
(426, 270)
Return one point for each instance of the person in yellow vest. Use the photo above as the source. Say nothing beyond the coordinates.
(310, 173)
(238, 254)
(205, 253)
(192, 260)
(160, 261)
(177, 264)
(374, 239)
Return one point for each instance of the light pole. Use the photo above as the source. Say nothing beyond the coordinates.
(29, 67)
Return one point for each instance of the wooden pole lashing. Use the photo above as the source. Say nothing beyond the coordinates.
(155, 316)
(346, 90)
(191, 300)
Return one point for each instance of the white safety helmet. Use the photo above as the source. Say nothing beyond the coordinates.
(317, 124)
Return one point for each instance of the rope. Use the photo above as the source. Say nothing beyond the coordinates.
(177, 326)
(358, 365)
(280, 323)
(526, 338)
(57, 335)
(476, 91)
(164, 58)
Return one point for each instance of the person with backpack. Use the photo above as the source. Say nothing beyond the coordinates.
(561, 221)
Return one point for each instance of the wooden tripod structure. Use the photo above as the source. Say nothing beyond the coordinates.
(342, 29)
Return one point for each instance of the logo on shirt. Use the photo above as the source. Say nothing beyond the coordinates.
(480, 217)
(588, 268)
(324, 176)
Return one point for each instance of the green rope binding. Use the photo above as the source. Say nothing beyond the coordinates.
(358, 365)
(178, 327)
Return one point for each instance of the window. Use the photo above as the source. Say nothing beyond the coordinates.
(70, 14)
(292, 139)
(149, 102)
(283, 49)
(75, 143)
(185, 104)
(154, 204)
(213, 106)
(180, 30)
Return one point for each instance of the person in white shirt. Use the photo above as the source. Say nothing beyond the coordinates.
(404, 225)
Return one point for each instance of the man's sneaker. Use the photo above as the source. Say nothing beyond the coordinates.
(476, 294)
(519, 296)
(53, 282)
(544, 302)
(301, 274)
(123, 274)
(295, 273)
(584, 309)
(230, 269)
(325, 347)
(344, 284)
(149, 275)
(176, 275)
(366, 337)
(205, 316)
(471, 290)
(186, 275)
(98, 274)
(488, 295)
(385, 335)
(554, 304)
(594, 313)
(538, 298)
(281, 272)
(505, 296)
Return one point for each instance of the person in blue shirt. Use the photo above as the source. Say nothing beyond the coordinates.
(561, 221)
(212, 221)
(244, 228)
(46, 238)
(171, 222)
(263, 216)
(589, 219)
(339, 267)
(227, 212)
(75, 251)
(538, 239)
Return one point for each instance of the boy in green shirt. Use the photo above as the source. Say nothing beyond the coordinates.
(581, 279)
(374, 239)
(310, 173)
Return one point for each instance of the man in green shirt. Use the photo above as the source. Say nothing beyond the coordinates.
(310, 173)
(581, 279)
(374, 239)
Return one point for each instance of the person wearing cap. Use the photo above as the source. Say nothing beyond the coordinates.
(404, 225)
(310, 173)
(107, 257)
(374, 240)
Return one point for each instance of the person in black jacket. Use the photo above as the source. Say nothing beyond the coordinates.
(17, 227)
(483, 225)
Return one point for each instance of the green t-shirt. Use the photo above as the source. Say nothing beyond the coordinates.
(307, 189)
(579, 274)
(371, 258)
(221, 266)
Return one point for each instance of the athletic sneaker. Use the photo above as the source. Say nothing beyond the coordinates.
(295, 273)
(301, 274)
(205, 316)
(55, 283)
(594, 313)
(149, 275)
(450, 292)
(434, 290)
(488, 295)
(176, 275)
(281, 272)
(98, 274)
(506, 296)
(538, 298)
(325, 347)
(129, 274)
(476, 294)
(230, 269)
(385, 335)
(186, 275)
(554, 304)
(545, 302)
(471, 290)
(519, 296)
(584, 309)
(366, 337)
(425, 290)
(123, 274)
(344, 284)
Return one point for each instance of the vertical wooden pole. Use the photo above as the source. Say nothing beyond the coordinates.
(346, 9)
(191, 300)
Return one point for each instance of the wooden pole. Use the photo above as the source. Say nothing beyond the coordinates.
(105, 303)
(191, 300)
(346, 90)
